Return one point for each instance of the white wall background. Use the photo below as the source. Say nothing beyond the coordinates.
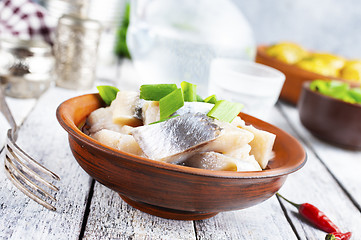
(323, 25)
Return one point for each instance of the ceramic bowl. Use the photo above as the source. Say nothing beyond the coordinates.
(173, 191)
(295, 76)
(330, 119)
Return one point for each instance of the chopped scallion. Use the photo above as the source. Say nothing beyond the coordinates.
(170, 103)
(225, 111)
(189, 91)
(108, 93)
(199, 98)
(154, 92)
(211, 99)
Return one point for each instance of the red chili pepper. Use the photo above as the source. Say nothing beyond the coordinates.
(315, 216)
(338, 236)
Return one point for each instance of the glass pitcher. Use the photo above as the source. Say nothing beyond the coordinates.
(171, 41)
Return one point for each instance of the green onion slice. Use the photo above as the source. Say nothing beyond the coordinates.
(199, 98)
(211, 99)
(108, 93)
(154, 92)
(355, 93)
(225, 111)
(189, 91)
(171, 103)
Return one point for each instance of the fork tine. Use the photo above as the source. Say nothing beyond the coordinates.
(12, 156)
(29, 159)
(19, 175)
(26, 191)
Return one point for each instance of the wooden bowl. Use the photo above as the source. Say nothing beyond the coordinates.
(330, 119)
(295, 76)
(173, 191)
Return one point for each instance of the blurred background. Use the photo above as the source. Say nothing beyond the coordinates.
(323, 25)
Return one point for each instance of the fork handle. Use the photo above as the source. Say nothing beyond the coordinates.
(4, 108)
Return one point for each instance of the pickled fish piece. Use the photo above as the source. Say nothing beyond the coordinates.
(212, 161)
(261, 145)
(238, 122)
(175, 139)
(194, 107)
(125, 109)
(218, 161)
(118, 141)
(248, 164)
(150, 112)
(102, 119)
(230, 139)
(241, 153)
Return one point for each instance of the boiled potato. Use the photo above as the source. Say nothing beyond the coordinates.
(287, 52)
(352, 71)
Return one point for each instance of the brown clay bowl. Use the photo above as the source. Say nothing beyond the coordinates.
(330, 119)
(173, 191)
(295, 76)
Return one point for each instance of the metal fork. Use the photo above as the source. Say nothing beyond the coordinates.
(22, 169)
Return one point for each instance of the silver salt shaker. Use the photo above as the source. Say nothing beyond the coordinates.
(26, 67)
(75, 49)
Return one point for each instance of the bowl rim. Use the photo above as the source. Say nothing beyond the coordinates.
(306, 87)
(69, 125)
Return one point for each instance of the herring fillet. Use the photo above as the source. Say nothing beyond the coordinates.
(173, 140)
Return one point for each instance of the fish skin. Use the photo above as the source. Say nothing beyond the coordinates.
(150, 110)
(220, 162)
(176, 139)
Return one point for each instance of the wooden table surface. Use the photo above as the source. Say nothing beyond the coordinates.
(330, 180)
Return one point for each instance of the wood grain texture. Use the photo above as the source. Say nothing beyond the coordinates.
(43, 138)
(20, 109)
(263, 221)
(314, 184)
(111, 218)
(345, 165)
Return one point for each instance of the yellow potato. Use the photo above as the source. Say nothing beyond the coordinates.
(287, 52)
(319, 66)
(352, 71)
(330, 59)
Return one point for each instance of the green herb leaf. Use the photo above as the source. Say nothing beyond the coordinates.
(171, 103)
(225, 111)
(189, 91)
(154, 92)
(338, 90)
(355, 93)
(199, 98)
(108, 93)
(211, 99)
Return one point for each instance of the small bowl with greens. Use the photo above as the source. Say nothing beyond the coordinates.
(331, 111)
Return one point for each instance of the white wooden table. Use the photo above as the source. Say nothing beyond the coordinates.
(330, 180)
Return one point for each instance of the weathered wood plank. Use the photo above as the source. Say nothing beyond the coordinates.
(44, 139)
(111, 218)
(20, 109)
(263, 221)
(314, 184)
(344, 164)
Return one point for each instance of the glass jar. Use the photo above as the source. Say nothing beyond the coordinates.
(172, 41)
(26, 67)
